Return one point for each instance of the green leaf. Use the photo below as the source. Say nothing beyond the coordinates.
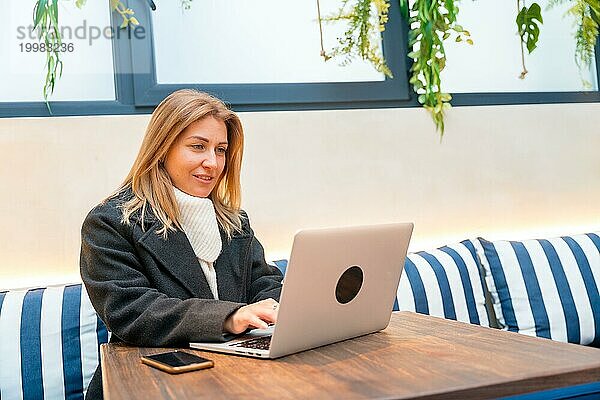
(57, 36)
(40, 10)
(427, 32)
(595, 16)
(446, 97)
(53, 11)
(404, 8)
(51, 64)
(413, 35)
(528, 21)
(452, 10)
(442, 62)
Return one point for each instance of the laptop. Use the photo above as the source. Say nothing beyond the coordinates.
(340, 283)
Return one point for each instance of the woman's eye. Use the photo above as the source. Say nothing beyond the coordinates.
(198, 146)
(222, 150)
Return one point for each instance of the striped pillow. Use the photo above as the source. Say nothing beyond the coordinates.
(50, 343)
(280, 264)
(546, 287)
(444, 282)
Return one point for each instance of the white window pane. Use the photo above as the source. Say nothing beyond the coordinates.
(87, 70)
(493, 63)
(242, 41)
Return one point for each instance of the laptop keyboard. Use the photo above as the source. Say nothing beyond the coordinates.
(261, 343)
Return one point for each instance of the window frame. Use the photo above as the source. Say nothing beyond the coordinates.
(139, 93)
(278, 96)
(122, 105)
(520, 98)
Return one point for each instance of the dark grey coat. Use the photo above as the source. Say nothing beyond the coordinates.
(152, 292)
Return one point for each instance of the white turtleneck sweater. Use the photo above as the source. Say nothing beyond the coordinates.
(199, 223)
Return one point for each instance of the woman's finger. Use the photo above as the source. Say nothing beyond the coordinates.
(270, 304)
(258, 323)
(269, 315)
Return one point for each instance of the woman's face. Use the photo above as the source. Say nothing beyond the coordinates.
(196, 159)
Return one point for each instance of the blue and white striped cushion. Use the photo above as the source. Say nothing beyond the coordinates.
(546, 287)
(50, 340)
(280, 264)
(445, 282)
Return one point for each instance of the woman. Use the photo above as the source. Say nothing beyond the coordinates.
(170, 258)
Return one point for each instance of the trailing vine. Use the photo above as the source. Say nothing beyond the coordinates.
(587, 19)
(586, 14)
(528, 20)
(45, 20)
(361, 38)
(431, 23)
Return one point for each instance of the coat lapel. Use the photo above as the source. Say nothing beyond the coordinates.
(177, 257)
(232, 267)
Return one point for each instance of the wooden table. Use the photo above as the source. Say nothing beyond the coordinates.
(417, 356)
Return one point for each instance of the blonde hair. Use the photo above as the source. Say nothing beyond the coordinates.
(148, 178)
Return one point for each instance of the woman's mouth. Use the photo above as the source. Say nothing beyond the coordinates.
(204, 178)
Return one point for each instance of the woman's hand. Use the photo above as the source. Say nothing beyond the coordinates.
(255, 315)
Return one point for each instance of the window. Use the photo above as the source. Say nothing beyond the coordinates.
(488, 71)
(262, 54)
(88, 60)
(258, 41)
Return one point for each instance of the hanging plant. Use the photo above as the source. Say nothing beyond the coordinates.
(528, 20)
(587, 19)
(365, 20)
(45, 20)
(586, 14)
(431, 23)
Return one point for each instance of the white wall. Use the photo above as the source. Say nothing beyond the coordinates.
(503, 171)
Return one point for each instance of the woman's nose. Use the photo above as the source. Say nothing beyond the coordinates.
(210, 161)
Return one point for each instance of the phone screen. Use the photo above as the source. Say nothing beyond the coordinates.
(177, 358)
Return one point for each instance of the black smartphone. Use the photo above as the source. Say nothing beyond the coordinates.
(176, 362)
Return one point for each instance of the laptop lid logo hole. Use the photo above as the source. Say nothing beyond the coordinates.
(349, 284)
